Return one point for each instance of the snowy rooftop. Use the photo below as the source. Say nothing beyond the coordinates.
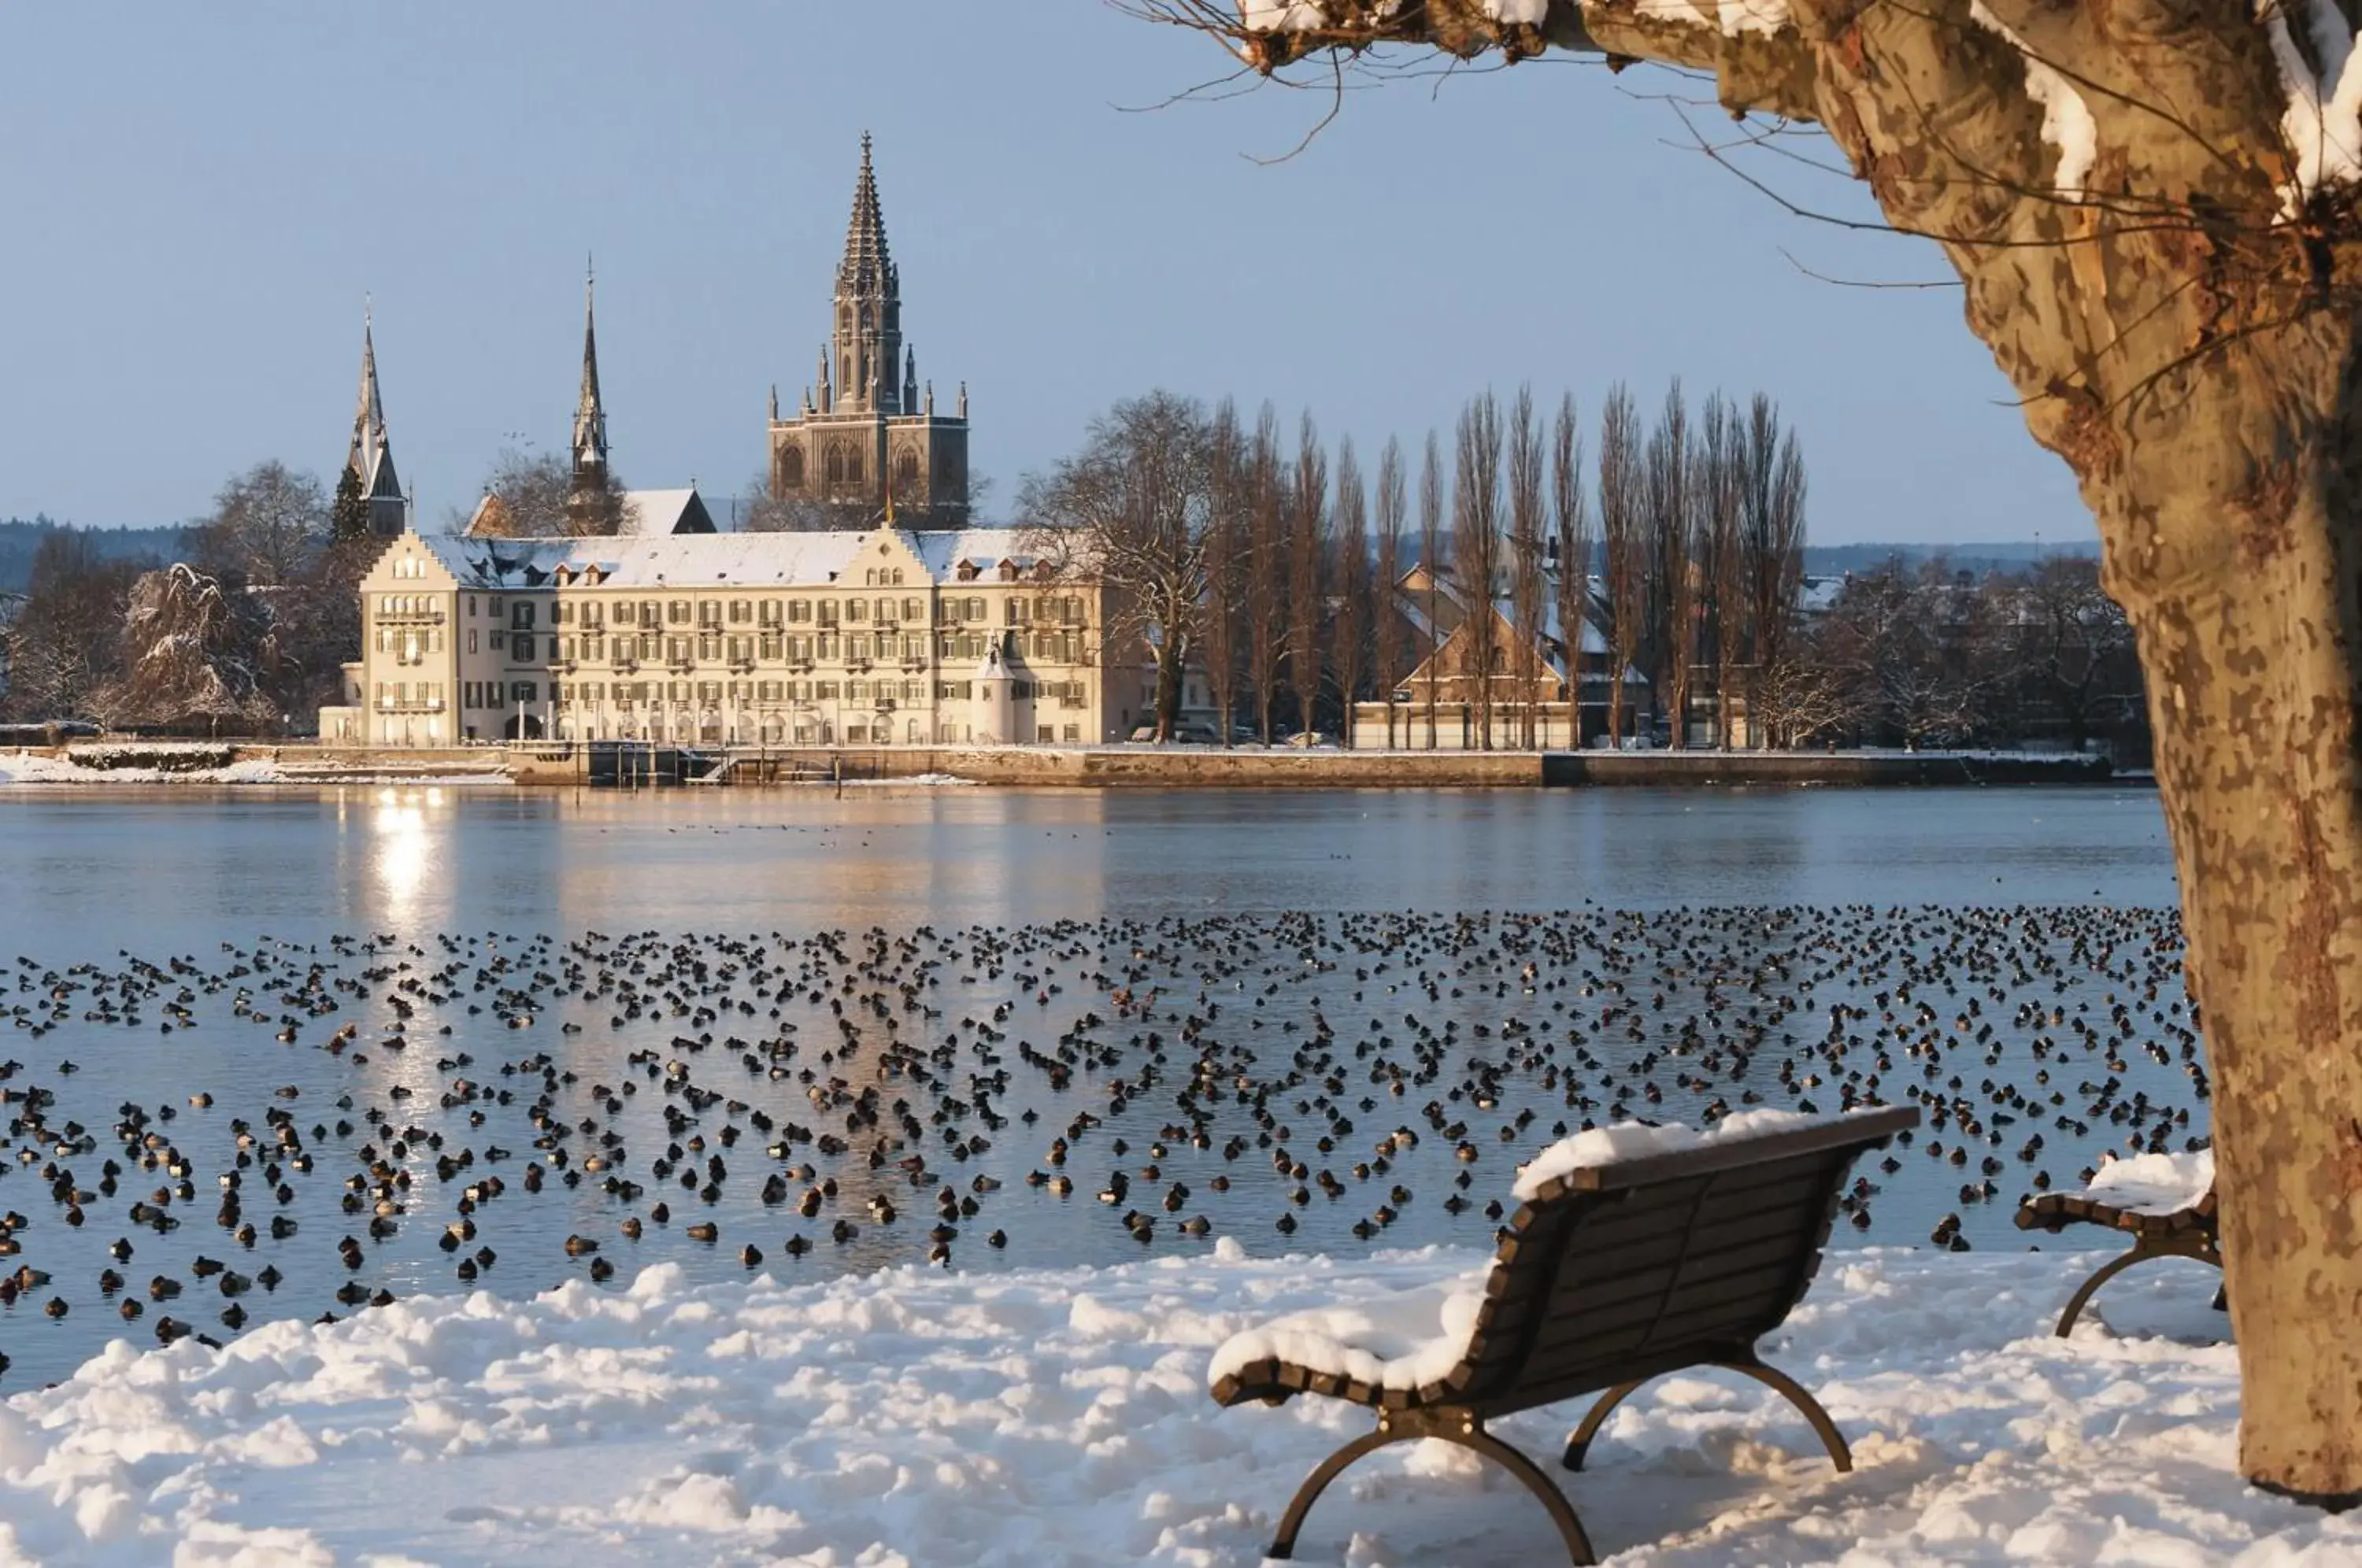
(707, 560)
(650, 513)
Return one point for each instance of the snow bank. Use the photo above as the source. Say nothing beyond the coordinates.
(1055, 1418)
(922, 780)
(2154, 1184)
(32, 767)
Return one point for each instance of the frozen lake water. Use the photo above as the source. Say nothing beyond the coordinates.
(539, 981)
(90, 870)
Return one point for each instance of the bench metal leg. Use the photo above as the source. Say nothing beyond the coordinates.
(2141, 1252)
(1454, 1427)
(1579, 1445)
(1806, 1406)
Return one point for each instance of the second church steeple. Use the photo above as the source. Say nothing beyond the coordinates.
(590, 413)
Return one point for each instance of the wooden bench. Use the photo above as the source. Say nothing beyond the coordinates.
(2186, 1232)
(1606, 1277)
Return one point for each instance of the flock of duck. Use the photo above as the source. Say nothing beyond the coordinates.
(328, 1127)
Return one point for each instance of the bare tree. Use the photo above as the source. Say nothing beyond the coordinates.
(66, 642)
(1130, 512)
(1571, 514)
(2074, 644)
(538, 497)
(1808, 697)
(1527, 588)
(1430, 559)
(186, 657)
(1307, 523)
(1624, 534)
(1385, 625)
(1476, 551)
(1265, 596)
(1669, 469)
(266, 526)
(1225, 548)
(765, 511)
(1349, 636)
(1771, 536)
(1722, 618)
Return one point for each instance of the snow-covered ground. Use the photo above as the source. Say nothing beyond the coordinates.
(913, 1418)
(36, 767)
(33, 767)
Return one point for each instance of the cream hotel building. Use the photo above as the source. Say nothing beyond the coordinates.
(916, 630)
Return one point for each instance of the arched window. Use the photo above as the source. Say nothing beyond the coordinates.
(791, 468)
(853, 466)
(844, 377)
(835, 465)
(906, 470)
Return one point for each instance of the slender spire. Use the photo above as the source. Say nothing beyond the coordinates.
(370, 456)
(590, 413)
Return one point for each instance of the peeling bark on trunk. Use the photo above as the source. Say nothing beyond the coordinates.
(2247, 619)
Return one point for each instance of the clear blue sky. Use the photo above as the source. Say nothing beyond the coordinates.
(198, 198)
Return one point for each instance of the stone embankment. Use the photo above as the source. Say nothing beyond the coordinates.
(1088, 768)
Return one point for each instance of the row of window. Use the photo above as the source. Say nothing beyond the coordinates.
(409, 694)
(1068, 609)
(773, 647)
(411, 647)
(409, 644)
(632, 693)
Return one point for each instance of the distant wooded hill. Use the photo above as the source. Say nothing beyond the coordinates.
(1828, 560)
(19, 539)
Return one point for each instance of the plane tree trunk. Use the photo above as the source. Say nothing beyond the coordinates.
(2170, 286)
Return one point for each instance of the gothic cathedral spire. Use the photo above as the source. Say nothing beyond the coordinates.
(868, 339)
(590, 413)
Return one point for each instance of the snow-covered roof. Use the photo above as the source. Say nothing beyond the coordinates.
(942, 551)
(650, 513)
(709, 560)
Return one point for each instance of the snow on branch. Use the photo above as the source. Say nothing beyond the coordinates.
(2320, 73)
(1753, 48)
(2067, 122)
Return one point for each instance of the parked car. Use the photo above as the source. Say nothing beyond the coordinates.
(1188, 732)
(1303, 740)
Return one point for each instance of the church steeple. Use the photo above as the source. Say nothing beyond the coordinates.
(369, 458)
(590, 413)
(868, 339)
